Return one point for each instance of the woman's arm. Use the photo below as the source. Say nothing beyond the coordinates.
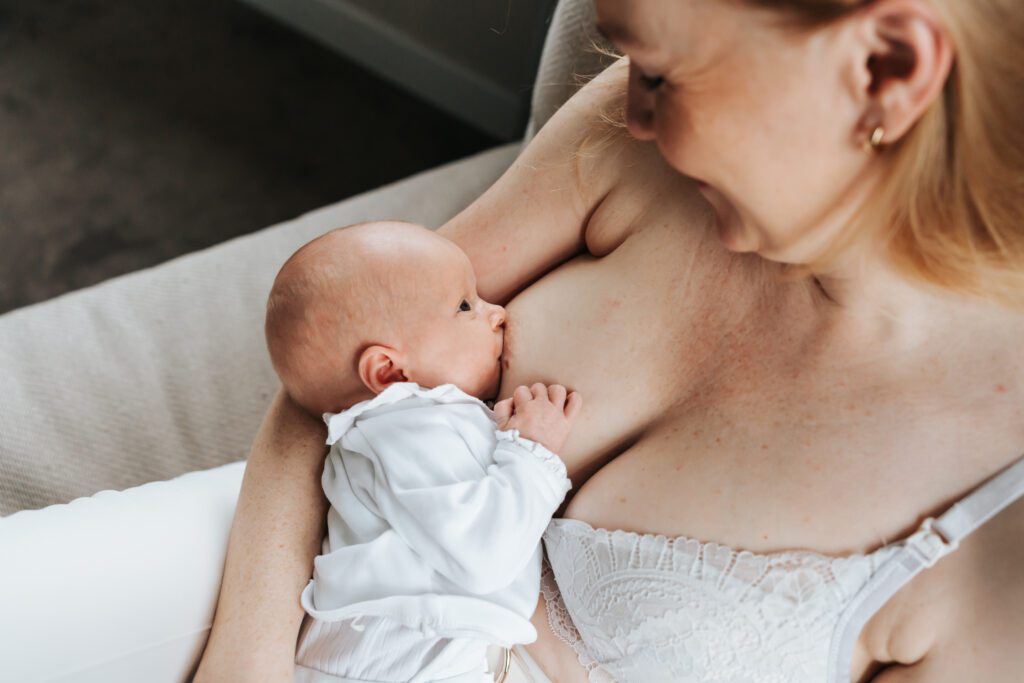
(535, 216)
(276, 533)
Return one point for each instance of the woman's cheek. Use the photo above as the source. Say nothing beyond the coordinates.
(680, 141)
(672, 139)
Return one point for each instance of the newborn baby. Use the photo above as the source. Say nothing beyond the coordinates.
(438, 503)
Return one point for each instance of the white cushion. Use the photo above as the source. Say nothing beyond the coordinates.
(117, 587)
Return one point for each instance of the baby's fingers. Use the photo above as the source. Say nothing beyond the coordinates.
(503, 410)
(573, 405)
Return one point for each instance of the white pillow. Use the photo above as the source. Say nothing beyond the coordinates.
(120, 586)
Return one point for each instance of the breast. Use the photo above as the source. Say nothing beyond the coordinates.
(635, 329)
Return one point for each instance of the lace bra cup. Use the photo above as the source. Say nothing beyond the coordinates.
(641, 607)
(644, 607)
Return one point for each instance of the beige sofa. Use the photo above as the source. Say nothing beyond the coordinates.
(150, 376)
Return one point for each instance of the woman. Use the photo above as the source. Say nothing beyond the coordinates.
(821, 359)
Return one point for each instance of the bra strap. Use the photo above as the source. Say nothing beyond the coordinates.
(934, 539)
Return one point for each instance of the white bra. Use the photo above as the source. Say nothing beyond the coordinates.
(647, 608)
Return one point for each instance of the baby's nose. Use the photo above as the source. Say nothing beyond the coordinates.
(498, 316)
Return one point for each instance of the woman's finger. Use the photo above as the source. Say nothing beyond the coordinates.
(556, 393)
(573, 405)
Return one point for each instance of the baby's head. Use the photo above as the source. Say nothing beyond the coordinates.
(364, 306)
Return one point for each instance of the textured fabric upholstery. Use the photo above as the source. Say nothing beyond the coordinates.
(569, 59)
(164, 371)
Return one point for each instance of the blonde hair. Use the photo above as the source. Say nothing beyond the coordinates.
(950, 209)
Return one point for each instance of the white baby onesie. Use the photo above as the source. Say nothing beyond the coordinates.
(433, 539)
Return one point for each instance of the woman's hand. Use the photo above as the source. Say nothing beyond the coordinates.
(541, 413)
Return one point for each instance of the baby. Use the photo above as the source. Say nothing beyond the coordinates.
(437, 502)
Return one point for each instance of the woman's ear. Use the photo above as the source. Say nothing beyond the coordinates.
(903, 69)
(380, 366)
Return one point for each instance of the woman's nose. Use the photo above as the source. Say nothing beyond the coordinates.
(639, 107)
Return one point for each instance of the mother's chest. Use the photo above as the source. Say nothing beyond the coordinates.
(635, 332)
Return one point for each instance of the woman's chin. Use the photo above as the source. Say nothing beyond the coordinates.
(733, 237)
(731, 231)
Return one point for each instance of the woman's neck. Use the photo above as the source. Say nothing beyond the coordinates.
(872, 304)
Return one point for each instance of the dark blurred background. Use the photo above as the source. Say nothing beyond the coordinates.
(132, 132)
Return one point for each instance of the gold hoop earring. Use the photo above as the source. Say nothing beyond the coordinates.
(874, 141)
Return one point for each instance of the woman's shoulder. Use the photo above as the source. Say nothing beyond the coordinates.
(617, 177)
(548, 194)
(588, 134)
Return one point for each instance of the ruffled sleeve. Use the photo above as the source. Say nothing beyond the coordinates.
(511, 439)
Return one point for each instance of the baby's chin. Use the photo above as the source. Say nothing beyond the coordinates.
(495, 385)
(485, 388)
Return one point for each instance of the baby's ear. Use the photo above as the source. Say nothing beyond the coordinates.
(380, 366)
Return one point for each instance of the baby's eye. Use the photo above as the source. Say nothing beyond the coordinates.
(464, 307)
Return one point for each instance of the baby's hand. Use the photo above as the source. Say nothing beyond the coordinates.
(540, 413)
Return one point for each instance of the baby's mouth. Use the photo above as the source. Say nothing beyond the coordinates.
(503, 347)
